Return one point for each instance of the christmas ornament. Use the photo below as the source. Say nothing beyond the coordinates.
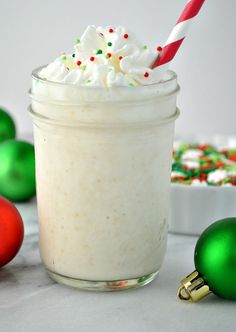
(11, 231)
(17, 170)
(215, 263)
(7, 126)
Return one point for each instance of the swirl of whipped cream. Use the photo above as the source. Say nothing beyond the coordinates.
(105, 57)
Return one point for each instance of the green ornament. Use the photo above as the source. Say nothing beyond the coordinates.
(17, 170)
(215, 263)
(7, 126)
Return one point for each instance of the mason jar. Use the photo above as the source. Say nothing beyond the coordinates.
(103, 162)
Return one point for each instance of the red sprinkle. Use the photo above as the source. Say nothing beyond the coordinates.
(203, 176)
(109, 55)
(159, 48)
(110, 30)
(146, 74)
(79, 62)
(126, 35)
(120, 57)
(202, 147)
(224, 151)
(92, 58)
(232, 157)
(220, 164)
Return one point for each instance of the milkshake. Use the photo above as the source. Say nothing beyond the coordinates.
(103, 130)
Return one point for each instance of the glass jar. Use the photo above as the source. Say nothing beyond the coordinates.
(103, 162)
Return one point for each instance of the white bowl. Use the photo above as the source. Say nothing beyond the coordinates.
(193, 208)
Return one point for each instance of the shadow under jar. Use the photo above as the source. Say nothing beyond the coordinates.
(103, 161)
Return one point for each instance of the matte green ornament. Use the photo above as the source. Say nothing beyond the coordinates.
(17, 170)
(7, 126)
(215, 263)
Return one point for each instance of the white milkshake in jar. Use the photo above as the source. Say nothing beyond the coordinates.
(103, 138)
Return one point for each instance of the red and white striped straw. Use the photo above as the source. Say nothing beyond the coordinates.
(178, 34)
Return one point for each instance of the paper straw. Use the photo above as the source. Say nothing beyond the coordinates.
(178, 34)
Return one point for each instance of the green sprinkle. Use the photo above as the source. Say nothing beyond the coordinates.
(89, 81)
(110, 69)
(131, 85)
(99, 52)
(109, 44)
(145, 47)
(77, 41)
(83, 67)
(64, 57)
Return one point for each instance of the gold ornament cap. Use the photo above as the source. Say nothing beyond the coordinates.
(193, 288)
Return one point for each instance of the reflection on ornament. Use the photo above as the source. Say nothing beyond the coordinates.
(17, 170)
(215, 263)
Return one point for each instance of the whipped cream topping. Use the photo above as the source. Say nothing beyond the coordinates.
(105, 57)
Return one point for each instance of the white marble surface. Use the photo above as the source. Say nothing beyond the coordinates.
(31, 301)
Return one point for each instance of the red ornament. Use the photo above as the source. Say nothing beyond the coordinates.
(109, 55)
(126, 35)
(159, 48)
(92, 58)
(120, 57)
(79, 62)
(111, 30)
(146, 74)
(11, 231)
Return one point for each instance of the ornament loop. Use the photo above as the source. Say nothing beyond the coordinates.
(193, 288)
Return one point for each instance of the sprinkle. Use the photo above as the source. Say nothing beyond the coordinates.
(83, 67)
(88, 81)
(77, 41)
(120, 57)
(101, 34)
(110, 30)
(78, 62)
(73, 55)
(64, 57)
(232, 157)
(92, 58)
(109, 55)
(126, 35)
(146, 74)
(131, 84)
(99, 52)
(145, 47)
(109, 44)
(159, 48)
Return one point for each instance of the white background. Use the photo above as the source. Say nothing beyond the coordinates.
(34, 32)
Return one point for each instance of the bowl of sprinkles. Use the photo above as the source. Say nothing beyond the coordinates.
(203, 184)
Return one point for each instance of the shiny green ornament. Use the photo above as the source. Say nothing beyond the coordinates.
(7, 126)
(215, 263)
(17, 170)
